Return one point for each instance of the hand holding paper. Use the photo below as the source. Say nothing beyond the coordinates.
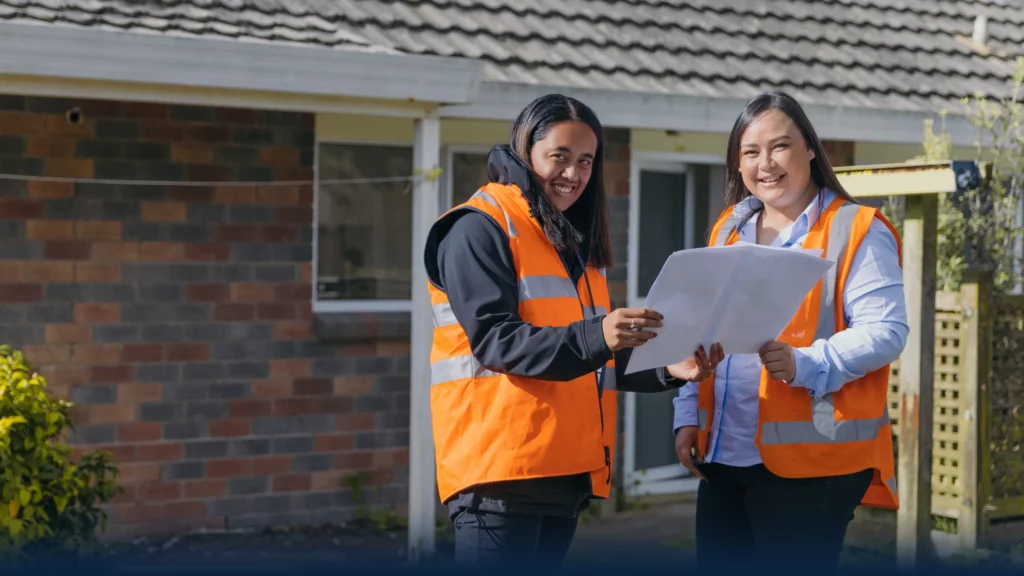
(741, 296)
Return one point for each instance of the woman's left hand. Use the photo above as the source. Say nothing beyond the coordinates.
(778, 359)
(699, 367)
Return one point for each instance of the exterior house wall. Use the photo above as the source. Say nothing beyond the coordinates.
(179, 318)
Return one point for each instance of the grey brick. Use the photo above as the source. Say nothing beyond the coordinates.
(162, 171)
(99, 149)
(251, 252)
(402, 366)
(185, 391)
(390, 420)
(246, 485)
(157, 372)
(382, 439)
(291, 252)
(202, 371)
(291, 444)
(306, 158)
(190, 273)
(373, 403)
(160, 293)
(12, 229)
(205, 450)
(229, 351)
(232, 273)
(115, 333)
(20, 335)
(312, 462)
(306, 235)
(253, 136)
(401, 401)
(165, 312)
(114, 129)
(152, 151)
(184, 470)
(115, 169)
(282, 349)
(123, 211)
(18, 249)
(250, 213)
(313, 349)
(188, 233)
(49, 105)
(21, 165)
(230, 390)
(254, 174)
(333, 367)
(275, 504)
(280, 118)
(304, 424)
(61, 292)
(94, 394)
(249, 369)
(342, 498)
(49, 313)
(302, 138)
(192, 113)
(186, 430)
(11, 145)
(94, 434)
(389, 384)
(249, 447)
(236, 155)
(207, 410)
(106, 292)
(276, 273)
(12, 102)
(373, 365)
(11, 314)
(160, 411)
(225, 331)
(145, 232)
(313, 501)
(146, 273)
(163, 333)
(206, 212)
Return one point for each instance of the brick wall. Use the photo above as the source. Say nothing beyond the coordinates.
(616, 182)
(179, 318)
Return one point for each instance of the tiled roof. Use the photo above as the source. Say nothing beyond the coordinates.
(901, 54)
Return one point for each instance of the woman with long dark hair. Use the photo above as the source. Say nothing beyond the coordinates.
(526, 357)
(788, 442)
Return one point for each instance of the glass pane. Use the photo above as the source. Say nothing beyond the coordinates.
(364, 235)
(662, 223)
(655, 445)
(469, 174)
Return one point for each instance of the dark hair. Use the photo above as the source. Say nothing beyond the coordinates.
(590, 209)
(821, 169)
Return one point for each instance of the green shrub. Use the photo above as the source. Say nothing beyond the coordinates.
(49, 505)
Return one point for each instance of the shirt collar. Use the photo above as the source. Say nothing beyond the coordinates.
(795, 231)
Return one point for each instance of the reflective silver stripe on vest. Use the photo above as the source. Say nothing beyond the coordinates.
(702, 419)
(838, 240)
(457, 368)
(550, 286)
(726, 229)
(609, 378)
(443, 315)
(599, 311)
(824, 428)
(891, 483)
(486, 197)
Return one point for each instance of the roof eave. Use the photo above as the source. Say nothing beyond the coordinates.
(113, 55)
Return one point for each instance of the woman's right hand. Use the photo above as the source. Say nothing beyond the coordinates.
(617, 327)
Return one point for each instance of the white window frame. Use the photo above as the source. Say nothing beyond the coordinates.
(671, 479)
(448, 153)
(329, 306)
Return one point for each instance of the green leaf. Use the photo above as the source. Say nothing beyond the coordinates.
(24, 496)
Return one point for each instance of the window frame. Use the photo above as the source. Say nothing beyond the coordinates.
(359, 306)
(448, 152)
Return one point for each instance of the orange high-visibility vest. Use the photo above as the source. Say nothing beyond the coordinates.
(490, 426)
(800, 436)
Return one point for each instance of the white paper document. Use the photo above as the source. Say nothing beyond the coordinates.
(742, 295)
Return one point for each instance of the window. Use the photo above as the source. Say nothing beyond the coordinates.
(467, 173)
(364, 230)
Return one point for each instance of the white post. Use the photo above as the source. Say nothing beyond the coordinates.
(425, 209)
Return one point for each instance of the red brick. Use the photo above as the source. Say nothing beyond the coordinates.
(235, 116)
(158, 491)
(252, 292)
(333, 442)
(189, 352)
(86, 312)
(292, 482)
(66, 374)
(207, 292)
(304, 310)
(159, 452)
(208, 133)
(68, 167)
(145, 111)
(139, 392)
(164, 211)
(112, 373)
(139, 432)
(180, 510)
(355, 421)
(306, 195)
(233, 312)
(95, 353)
(274, 387)
(98, 230)
(314, 386)
(142, 353)
(19, 208)
(21, 292)
(277, 194)
(13, 271)
(293, 330)
(112, 413)
(333, 405)
(115, 251)
(50, 229)
(208, 252)
(230, 428)
(202, 194)
(293, 215)
(208, 173)
(47, 353)
(46, 272)
(353, 385)
(293, 291)
(162, 251)
(278, 234)
(68, 333)
(161, 131)
(290, 367)
(101, 108)
(41, 189)
(66, 250)
(293, 406)
(191, 153)
(358, 349)
(271, 464)
(223, 468)
(235, 233)
(275, 311)
(391, 457)
(306, 273)
(353, 460)
(127, 495)
(135, 473)
(49, 147)
(205, 488)
(248, 408)
(97, 272)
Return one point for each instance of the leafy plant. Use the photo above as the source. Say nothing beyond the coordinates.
(48, 504)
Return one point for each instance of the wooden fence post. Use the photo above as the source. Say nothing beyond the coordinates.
(917, 378)
(976, 342)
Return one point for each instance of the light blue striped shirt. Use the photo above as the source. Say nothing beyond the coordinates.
(876, 317)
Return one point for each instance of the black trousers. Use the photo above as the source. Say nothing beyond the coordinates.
(748, 516)
(504, 540)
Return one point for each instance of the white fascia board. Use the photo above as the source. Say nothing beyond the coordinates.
(619, 108)
(112, 55)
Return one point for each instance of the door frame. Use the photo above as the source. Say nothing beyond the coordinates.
(670, 479)
(448, 153)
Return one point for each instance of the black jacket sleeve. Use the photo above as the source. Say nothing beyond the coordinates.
(476, 271)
